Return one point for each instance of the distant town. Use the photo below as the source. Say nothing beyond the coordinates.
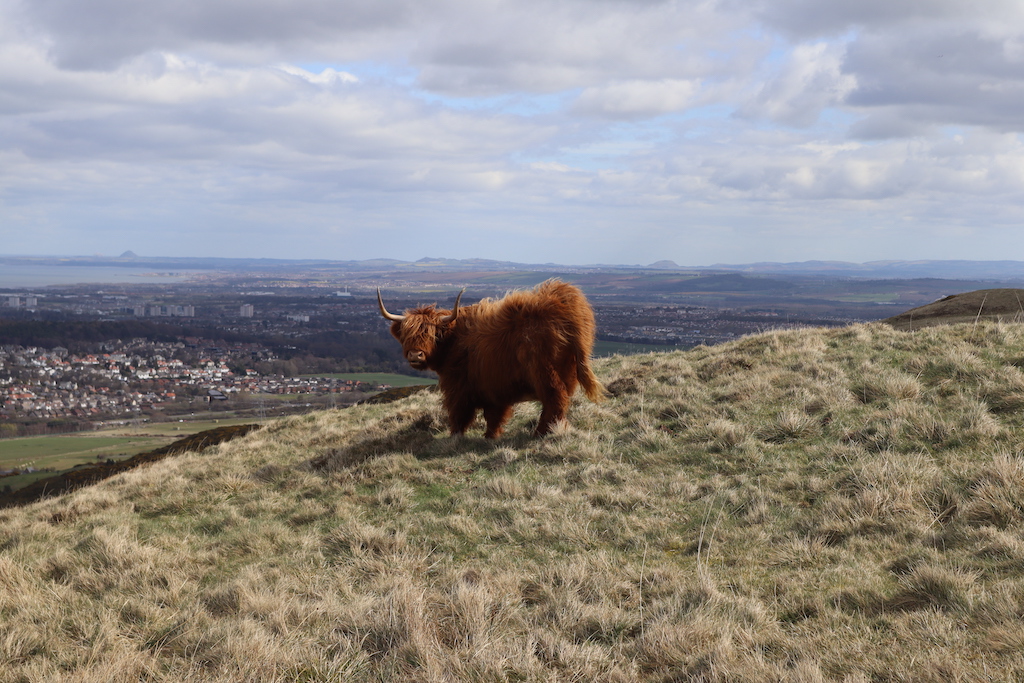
(139, 378)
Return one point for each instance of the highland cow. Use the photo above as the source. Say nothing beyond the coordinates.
(528, 346)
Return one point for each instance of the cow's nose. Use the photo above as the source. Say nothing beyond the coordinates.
(416, 356)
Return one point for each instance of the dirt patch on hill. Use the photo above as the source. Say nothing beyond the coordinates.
(982, 304)
(84, 476)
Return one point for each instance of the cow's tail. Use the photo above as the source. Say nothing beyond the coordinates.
(591, 387)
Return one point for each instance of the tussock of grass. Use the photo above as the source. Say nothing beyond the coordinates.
(813, 505)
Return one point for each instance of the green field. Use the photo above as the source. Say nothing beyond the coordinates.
(394, 380)
(610, 348)
(869, 298)
(180, 429)
(14, 452)
(60, 453)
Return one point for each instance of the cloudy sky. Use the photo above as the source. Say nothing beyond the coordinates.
(573, 131)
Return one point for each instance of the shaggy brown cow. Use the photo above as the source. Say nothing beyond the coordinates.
(529, 346)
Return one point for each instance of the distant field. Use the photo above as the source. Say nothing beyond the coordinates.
(381, 378)
(61, 453)
(180, 429)
(610, 348)
(14, 452)
(274, 398)
(869, 298)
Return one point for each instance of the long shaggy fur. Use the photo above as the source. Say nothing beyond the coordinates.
(529, 345)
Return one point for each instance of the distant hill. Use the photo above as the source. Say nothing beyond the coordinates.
(1001, 271)
(945, 269)
(815, 505)
(982, 304)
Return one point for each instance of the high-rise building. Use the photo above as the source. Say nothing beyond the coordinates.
(247, 311)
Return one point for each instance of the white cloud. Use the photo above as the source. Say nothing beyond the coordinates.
(812, 19)
(327, 76)
(501, 128)
(945, 75)
(810, 82)
(460, 45)
(101, 34)
(632, 99)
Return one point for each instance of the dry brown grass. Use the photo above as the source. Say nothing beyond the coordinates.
(814, 505)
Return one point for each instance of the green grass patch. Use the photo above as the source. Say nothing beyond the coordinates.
(432, 493)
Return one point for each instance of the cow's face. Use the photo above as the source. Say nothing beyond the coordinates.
(419, 334)
(420, 331)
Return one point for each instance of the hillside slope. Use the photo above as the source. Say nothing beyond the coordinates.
(811, 505)
(983, 304)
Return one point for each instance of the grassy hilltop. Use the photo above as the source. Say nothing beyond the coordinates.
(811, 505)
(1000, 305)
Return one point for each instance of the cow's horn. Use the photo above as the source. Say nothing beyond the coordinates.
(455, 311)
(384, 311)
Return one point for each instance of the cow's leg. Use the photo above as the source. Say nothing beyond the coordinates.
(496, 416)
(460, 416)
(569, 378)
(554, 399)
